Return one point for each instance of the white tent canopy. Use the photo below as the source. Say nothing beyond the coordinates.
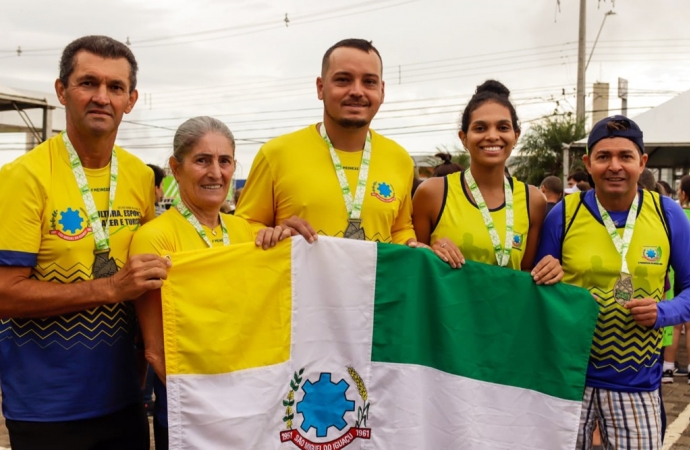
(666, 131)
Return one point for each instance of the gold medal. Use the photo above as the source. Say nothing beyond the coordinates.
(103, 265)
(623, 289)
(354, 230)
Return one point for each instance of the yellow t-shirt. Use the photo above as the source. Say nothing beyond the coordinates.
(171, 233)
(461, 222)
(45, 227)
(294, 175)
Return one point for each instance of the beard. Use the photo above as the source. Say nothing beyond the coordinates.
(348, 123)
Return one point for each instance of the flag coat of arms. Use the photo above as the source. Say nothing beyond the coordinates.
(359, 345)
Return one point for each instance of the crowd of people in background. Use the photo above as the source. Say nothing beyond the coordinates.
(80, 302)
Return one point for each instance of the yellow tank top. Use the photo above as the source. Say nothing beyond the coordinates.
(461, 222)
(591, 260)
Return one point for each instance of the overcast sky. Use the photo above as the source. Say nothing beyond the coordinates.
(238, 61)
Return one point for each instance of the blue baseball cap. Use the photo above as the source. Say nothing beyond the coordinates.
(602, 131)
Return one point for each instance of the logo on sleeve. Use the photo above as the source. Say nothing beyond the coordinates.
(383, 191)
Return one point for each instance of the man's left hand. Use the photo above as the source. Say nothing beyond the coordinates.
(643, 310)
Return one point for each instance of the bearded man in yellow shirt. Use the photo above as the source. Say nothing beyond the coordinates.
(338, 177)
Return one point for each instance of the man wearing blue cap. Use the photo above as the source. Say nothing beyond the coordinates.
(618, 242)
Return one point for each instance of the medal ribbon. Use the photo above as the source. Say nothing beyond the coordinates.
(354, 206)
(187, 214)
(100, 235)
(622, 245)
(502, 253)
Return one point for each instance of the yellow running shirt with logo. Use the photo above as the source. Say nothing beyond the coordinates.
(623, 352)
(293, 175)
(461, 221)
(80, 365)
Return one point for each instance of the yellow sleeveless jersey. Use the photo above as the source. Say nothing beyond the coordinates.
(621, 347)
(461, 222)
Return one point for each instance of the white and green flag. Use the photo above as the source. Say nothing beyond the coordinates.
(359, 345)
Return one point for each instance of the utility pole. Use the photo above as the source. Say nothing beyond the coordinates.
(623, 95)
(581, 44)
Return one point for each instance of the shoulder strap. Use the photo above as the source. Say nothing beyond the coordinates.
(568, 221)
(656, 200)
(443, 204)
(529, 218)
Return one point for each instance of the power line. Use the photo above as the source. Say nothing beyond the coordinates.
(465, 70)
(241, 30)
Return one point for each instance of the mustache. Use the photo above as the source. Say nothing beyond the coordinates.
(101, 109)
(356, 102)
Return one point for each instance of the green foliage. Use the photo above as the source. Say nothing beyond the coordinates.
(541, 153)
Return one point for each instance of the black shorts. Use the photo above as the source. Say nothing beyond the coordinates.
(127, 429)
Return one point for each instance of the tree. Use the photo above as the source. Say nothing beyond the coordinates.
(541, 153)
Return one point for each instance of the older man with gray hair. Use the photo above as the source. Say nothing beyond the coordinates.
(68, 366)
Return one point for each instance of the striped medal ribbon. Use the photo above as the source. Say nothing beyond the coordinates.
(502, 253)
(623, 290)
(103, 266)
(191, 218)
(354, 206)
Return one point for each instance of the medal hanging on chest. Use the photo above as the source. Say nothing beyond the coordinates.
(623, 288)
(354, 228)
(103, 265)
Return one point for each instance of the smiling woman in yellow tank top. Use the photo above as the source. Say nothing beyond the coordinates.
(481, 213)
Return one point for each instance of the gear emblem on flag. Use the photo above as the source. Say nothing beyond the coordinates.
(324, 405)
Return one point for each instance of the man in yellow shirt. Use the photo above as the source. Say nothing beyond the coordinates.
(70, 207)
(336, 178)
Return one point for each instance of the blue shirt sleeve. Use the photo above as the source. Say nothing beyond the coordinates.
(676, 311)
(551, 237)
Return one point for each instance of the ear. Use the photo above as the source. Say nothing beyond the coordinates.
(60, 91)
(517, 136)
(588, 163)
(174, 166)
(133, 97)
(643, 161)
(319, 87)
(463, 138)
(383, 91)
